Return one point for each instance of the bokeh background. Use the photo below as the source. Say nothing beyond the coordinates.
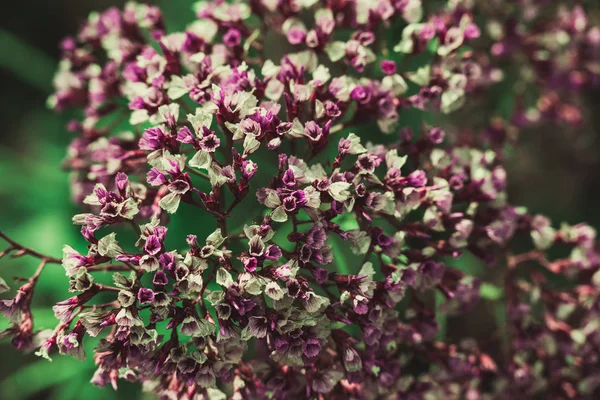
(554, 171)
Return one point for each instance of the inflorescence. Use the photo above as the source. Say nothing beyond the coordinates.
(292, 111)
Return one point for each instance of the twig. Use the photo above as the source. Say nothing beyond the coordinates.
(136, 228)
(106, 288)
(232, 205)
(95, 307)
(198, 173)
(38, 271)
(222, 221)
(22, 250)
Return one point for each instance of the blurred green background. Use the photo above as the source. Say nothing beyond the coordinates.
(554, 172)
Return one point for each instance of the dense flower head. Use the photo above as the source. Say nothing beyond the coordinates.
(335, 278)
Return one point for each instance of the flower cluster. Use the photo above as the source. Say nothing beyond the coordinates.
(338, 281)
(547, 52)
(560, 49)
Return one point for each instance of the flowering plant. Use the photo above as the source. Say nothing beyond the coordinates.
(339, 230)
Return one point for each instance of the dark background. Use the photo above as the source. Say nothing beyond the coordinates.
(554, 171)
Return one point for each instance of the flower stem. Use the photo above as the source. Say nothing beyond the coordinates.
(22, 250)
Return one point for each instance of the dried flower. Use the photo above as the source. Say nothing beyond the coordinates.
(305, 144)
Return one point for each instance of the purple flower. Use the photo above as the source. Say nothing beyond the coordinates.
(328, 282)
(232, 37)
(145, 296)
(388, 67)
